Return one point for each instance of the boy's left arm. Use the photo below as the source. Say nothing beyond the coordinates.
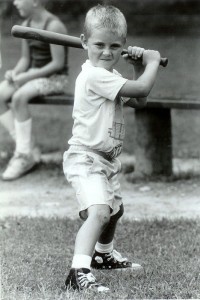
(58, 58)
(136, 61)
(137, 102)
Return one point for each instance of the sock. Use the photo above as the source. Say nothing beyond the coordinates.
(104, 248)
(81, 261)
(7, 120)
(23, 136)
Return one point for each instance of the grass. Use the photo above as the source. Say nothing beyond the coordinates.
(36, 256)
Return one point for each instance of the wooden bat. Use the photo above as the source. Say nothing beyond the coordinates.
(56, 38)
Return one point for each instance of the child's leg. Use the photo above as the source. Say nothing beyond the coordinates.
(54, 84)
(23, 159)
(105, 257)
(98, 218)
(108, 233)
(6, 115)
(20, 101)
(80, 277)
(106, 238)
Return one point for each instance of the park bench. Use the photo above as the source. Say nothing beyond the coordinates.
(153, 143)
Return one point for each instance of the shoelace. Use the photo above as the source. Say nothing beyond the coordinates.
(116, 256)
(86, 279)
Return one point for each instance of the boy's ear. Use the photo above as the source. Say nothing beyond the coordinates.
(83, 41)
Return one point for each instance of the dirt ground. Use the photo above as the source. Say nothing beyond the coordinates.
(45, 192)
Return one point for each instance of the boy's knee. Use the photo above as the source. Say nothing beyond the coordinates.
(101, 215)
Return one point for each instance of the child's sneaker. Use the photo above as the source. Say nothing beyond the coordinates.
(82, 279)
(19, 165)
(112, 260)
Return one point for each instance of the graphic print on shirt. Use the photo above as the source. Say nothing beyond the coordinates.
(117, 132)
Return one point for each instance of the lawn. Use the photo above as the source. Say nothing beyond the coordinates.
(37, 253)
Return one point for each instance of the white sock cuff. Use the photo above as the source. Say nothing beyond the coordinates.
(81, 261)
(104, 248)
(23, 136)
(24, 123)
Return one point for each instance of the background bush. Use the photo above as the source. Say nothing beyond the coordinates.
(144, 17)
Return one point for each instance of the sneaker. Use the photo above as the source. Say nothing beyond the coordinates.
(83, 279)
(18, 166)
(112, 260)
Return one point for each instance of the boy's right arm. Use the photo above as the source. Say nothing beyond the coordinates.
(141, 87)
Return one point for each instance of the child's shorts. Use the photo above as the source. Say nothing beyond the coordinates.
(94, 179)
(55, 84)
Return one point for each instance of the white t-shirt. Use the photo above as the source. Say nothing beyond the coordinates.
(98, 111)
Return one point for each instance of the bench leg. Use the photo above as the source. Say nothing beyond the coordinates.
(153, 150)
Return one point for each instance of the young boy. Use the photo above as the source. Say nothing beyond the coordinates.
(91, 164)
(41, 70)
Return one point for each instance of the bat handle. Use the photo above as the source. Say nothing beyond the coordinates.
(163, 60)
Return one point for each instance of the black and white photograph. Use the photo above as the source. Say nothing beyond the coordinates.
(99, 149)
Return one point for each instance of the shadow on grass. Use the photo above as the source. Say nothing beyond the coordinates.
(36, 257)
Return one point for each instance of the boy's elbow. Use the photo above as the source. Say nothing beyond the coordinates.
(144, 91)
(142, 102)
(144, 94)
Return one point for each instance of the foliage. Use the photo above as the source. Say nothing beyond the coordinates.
(78, 7)
(157, 16)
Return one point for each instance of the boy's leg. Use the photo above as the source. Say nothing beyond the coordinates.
(80, 276)
(6, 115)
(105, 257)
(88, 235)
(107, 235)
(23, 159)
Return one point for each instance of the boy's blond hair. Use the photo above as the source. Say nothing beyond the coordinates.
(105, 16)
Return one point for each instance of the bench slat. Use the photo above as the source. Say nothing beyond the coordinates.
(67, 99)
(165, 103)
(173, 103)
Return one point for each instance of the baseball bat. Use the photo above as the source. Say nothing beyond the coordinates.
(56, 38)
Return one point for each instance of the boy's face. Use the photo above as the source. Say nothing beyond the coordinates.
(25, 7)
(104, 48)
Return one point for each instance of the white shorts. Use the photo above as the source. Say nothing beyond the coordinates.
(94, 179)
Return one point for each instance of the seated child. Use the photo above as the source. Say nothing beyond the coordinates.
(41, 70)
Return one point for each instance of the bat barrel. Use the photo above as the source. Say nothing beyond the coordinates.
(46, 36)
